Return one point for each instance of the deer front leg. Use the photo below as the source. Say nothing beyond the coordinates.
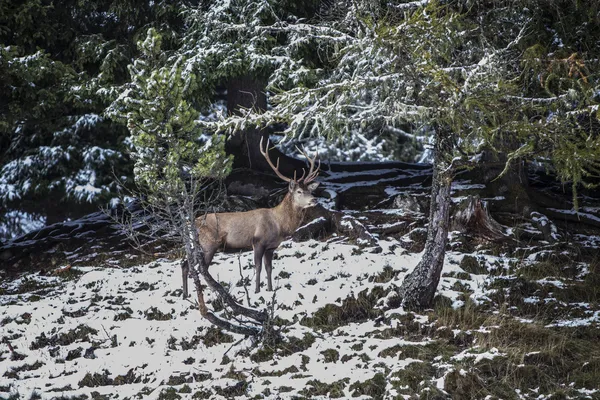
(268, 258)
(185, 271)
(259, 251)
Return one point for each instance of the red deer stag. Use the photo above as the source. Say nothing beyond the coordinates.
(262, 229)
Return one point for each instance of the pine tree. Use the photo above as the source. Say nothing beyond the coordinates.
(60, 65)
(454, 71)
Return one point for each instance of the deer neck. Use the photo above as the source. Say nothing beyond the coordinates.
(288, 216)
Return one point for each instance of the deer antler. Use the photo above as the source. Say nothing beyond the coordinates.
(274, 167)
(305, 178)
(312, 172)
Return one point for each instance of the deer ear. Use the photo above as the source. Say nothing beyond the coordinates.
(292, 185)
(313, 186)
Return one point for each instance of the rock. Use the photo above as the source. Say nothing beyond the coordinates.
(411, 204)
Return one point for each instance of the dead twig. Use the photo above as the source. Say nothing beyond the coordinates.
(242, 276)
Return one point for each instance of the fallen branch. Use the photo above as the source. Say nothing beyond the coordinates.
(259, 316)
(211, 317)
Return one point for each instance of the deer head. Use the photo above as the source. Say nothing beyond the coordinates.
(299, 189)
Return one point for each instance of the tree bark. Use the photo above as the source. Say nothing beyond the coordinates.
(248, 91)
(418, 288)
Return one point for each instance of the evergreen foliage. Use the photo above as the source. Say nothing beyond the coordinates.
(60, 65)
(518, 77)
(168, 145)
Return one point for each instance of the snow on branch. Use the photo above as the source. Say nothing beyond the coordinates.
(408, 6)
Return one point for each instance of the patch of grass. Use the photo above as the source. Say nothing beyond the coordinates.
(332, 390)
(305, 361)
(462, 287)
(532, 356)
(357, 346)
(330, 355)
(290, 370)
(283, 348)
(469, 316)
(559, 354)
(235, 375)
(239, 389)
(104, 379)
(24, 318)
(66, 388)
(353, 309)
(215, 336)
(185, 389)
(191, 343)
(176, 380)
(406, 327)
(73, 354)
(168, 394)
(96, 379)
(30, 284)
(472, 265)
(144, 286)
(13, 373)
(387, 274)
(374, 387)
(143, 393)
(203, 394)
(154, 314)
(80, 333)
(126, 313)
(465, 385)
(202, 376)
(284, 275)
(430, 351)
(458, 275)
(412, 376)
(98, 396)
(391, 351)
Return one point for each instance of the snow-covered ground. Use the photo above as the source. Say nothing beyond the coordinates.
(126, 332)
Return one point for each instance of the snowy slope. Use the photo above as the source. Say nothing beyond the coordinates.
(127, 332)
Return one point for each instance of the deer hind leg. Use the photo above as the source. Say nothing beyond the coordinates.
(208, 256)
(259, 251)
(185, 271)
(268, 259)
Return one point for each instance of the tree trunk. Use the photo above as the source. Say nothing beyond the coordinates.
(418, 288)
(244, 92)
